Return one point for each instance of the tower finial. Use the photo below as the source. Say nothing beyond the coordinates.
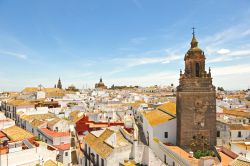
(194, 42)
(193, 31)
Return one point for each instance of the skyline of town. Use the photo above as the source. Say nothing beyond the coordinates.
(124, 83)
(125, 43)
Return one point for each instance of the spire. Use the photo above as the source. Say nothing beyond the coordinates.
(59, 84)
(194, 42)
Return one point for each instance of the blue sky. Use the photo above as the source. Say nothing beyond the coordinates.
(127, 42)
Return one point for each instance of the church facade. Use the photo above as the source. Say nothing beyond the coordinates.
(196, 103)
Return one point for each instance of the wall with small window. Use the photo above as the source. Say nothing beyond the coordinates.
(240, 135)
(166, 132)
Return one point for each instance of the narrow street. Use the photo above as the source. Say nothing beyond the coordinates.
(141, 135)
(73, 149)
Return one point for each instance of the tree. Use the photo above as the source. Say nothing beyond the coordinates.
(220, 88)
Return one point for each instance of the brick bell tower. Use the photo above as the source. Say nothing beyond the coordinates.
(196, 103)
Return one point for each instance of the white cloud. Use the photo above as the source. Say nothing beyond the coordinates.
(227, 55)
(136, 61)
(232, 77)
(216, 44)
(223, 51)
(231, 34)
(230, 70)
(14, 54)
(158, 78)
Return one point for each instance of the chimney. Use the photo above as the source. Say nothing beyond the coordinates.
(191, 154)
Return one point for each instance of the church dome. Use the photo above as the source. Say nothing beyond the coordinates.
(194, 52)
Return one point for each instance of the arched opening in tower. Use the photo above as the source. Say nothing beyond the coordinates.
(197, 71)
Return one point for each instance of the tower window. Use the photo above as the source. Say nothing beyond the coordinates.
(197, 69)
(239, 133)
(218, 133)
(166, 134)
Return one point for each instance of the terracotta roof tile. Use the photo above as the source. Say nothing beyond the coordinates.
(16, 133)
(63, 146)
(239, 127)
(54, 133)
(236, 113)
(98, 143)
(157, 117)
(169, 107)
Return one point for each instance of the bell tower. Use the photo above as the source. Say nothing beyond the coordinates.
(59, 84)
(196, 102)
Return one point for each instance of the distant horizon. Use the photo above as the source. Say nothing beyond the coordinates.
(108, 86)
(131, 42)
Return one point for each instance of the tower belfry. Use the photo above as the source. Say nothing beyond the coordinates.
(196, 102)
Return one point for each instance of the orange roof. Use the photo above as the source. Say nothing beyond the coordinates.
(92, 125)
(236, 112)
(157, 117)
(184, 154)
(16, 133)
(54, 133)
(2, 134)
(225, 159)
(169, 107)
(239, 127)
(63, 146)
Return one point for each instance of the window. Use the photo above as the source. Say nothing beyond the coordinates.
(92, 157)
(66, 153)
(239, 133)
(197, 69)
(102, 163)
(33, 131)
(165, 159)
(173, 163)
(218, 133)
(166, 134)
(86, 148)
(97, 159)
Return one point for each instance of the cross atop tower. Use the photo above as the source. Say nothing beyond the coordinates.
(194, 42)
(193, 31)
